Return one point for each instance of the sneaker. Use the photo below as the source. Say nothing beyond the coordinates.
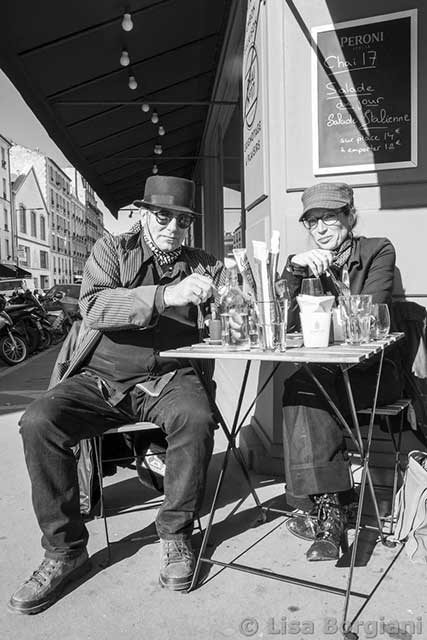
(176, 564)
(46, 584)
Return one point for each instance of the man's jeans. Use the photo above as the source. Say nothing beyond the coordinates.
(315, 456)
(74, 410)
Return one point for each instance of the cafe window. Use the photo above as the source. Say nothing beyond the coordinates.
(22, 219)
(33, 217)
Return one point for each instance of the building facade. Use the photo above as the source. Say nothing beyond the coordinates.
(74, 221)
(32, 231)
(7, 251)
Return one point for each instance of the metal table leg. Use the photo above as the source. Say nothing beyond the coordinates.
(231, 437)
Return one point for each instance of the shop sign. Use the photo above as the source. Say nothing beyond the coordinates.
(364, 88)
(254, 121)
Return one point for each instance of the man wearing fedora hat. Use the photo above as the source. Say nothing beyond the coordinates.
(142, 292)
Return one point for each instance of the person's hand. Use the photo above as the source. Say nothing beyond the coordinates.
(318, 260)
(193, 289)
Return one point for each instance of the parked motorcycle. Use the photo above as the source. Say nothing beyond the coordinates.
(62, 319)
(30, 320)
(13, 348)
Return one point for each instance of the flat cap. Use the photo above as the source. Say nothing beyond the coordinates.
(326, 195)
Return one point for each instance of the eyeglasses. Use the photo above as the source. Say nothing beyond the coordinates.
(329, 219)
(163, 217)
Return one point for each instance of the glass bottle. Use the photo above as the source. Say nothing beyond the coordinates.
(234, 309)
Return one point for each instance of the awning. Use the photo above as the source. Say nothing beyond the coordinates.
(7, 271)
(66, 65)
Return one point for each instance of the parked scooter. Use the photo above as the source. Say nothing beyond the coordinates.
(13, 348)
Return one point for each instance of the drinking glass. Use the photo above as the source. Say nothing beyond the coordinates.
(356, 313)
(381, 321)
(311, 287)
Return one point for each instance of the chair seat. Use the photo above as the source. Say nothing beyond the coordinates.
(134, 426)
(392, 409)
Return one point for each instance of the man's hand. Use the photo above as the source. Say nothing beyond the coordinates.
(193, 289)
(317, 259)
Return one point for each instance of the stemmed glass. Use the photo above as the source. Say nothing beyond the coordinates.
(381, 321)
(311, 287)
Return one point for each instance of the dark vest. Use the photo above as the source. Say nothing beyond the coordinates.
(126, 357)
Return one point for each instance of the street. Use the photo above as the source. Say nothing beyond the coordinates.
(20, 384)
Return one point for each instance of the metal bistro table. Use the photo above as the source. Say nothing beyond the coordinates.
(345, 356)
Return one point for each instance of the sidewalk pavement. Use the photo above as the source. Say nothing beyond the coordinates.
(124, 601)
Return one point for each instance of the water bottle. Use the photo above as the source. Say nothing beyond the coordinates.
(234, 308)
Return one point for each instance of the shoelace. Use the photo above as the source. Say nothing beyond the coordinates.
(44, 571)
(325, 503)
(177, 550)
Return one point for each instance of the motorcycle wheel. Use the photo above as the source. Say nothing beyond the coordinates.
(13, 349)
(30, 333)
(45, 339)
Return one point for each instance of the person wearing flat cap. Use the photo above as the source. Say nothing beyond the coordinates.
(142, 292)
(317, 469)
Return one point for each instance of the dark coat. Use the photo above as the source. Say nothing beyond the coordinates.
(370, 267)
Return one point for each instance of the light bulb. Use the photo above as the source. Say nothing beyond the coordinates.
(154, 117)
(127, 24)
(158, 149)
(155, 169)
(132, 82)
(161, 131)
(145, 107)
(124, 58)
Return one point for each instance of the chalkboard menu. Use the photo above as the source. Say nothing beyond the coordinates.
(364, 94)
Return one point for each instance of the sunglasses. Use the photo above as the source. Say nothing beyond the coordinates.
(163, 217)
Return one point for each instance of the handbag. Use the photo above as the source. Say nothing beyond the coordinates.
(411, 508)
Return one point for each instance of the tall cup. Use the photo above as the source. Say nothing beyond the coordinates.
(315, 326)
(356, 313)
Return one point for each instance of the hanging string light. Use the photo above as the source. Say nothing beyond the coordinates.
(158, 149)
(124, 58)
(154, 117)
(127, 24)
(155, 169)
(132, 82)
(145, 107)
(162, 131)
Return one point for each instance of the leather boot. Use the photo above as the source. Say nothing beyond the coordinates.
(331, 526)
(303, 524)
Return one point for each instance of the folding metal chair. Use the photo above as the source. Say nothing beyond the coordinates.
(386, 412)
(97, 445)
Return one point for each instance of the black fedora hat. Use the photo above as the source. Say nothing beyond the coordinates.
(168, 192)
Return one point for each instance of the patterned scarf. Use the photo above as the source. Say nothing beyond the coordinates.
(342, 254)
(162, 257)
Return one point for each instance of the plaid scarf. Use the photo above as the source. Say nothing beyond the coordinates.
(162, 257)
(342, 254)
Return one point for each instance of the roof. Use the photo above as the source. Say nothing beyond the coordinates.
(66, 65)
